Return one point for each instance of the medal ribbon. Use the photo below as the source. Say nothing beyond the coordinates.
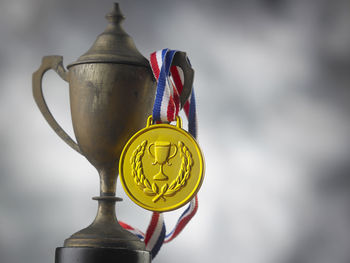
(170, 80)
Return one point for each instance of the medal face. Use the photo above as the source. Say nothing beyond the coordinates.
(161, 167)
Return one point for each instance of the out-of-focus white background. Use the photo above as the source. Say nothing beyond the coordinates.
(272, 84)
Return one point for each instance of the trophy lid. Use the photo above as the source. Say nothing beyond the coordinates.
(114, 45)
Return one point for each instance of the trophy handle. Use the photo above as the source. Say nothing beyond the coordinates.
(180, 59)
(55, 63)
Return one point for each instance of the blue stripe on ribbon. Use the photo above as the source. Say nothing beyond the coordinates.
(159, 243)
(192, 114)
(192, 117)
(167, 58)
(164, 51)
(160, 90)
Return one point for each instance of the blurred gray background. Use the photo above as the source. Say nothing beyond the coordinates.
(272, 84)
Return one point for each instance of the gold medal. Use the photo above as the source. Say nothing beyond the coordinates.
(161, 167)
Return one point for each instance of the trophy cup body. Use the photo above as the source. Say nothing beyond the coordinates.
(111, 90)
(104, 115)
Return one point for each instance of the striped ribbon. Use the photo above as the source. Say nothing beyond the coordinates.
(166, 107)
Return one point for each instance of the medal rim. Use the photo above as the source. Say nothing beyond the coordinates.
(201, 168)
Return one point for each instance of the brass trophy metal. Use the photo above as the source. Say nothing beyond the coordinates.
(112, 92)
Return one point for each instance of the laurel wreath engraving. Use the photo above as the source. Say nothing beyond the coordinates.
(153, 189)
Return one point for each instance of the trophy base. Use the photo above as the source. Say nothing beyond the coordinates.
(100, 255)
(105, 232)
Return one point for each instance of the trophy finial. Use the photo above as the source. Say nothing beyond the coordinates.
(115, 16)
(114, 45)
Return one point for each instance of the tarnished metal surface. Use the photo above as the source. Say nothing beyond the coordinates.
(111, 95)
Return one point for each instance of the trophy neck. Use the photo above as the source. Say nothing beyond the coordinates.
(108, 180)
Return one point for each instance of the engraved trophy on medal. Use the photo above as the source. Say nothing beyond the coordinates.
(111, 90)
(161, 156)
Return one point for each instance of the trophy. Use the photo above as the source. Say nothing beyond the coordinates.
(161, 155)
(111, 89)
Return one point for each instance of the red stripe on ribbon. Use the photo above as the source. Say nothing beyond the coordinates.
(171, 109)
(151, 227)
(154, 65)
(176, 101)
(125, 225)
(187, 108)
(178, 87)
(176, 77)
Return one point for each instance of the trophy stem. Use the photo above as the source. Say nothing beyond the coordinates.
(160, 176)
(105, 230)
(108, 180)
(106, 210)
(104, 240)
